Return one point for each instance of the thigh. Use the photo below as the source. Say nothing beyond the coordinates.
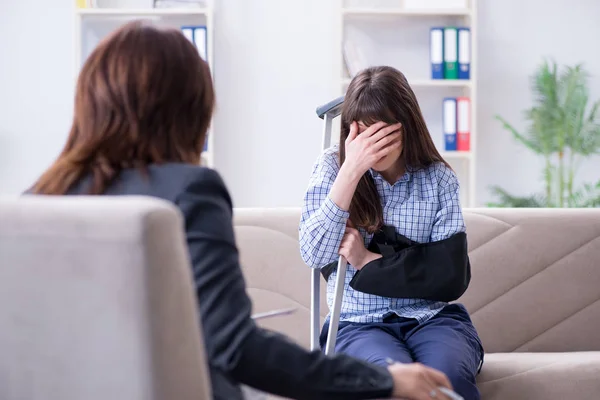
(449, 342)
(374, 343)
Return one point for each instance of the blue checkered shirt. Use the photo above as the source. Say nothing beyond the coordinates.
(423, 205)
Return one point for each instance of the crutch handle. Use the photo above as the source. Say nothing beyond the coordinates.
(337, 306)
(334, 107)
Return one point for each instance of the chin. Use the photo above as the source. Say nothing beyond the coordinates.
(386, 163)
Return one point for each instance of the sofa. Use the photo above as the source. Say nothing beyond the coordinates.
(97, 302)
(534, 295)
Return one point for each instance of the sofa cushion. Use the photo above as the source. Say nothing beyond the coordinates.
(539, 376)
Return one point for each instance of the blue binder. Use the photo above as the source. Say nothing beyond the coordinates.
(464, 53)
(449, 123)
(198, 36)
(436, 52)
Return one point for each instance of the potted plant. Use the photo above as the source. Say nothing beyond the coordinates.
(563, 128)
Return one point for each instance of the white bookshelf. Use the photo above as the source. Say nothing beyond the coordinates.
(93, 24)
(386, 11)
(398, 36)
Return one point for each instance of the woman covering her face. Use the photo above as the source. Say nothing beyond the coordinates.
(387, 201)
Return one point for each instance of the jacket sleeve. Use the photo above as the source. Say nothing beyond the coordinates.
(323, 223)
(235, 345)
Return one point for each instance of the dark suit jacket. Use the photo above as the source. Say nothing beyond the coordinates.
(237, 350)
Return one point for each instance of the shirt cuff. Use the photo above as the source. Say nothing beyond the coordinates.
(334, 214)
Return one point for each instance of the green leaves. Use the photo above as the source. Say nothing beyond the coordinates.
(508, 200)
(563, 128)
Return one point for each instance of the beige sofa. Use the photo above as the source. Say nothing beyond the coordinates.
(534, 295)
(97, 302)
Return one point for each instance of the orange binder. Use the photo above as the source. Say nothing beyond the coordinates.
(463, 122)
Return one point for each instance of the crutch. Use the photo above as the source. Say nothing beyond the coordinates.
(327, 113)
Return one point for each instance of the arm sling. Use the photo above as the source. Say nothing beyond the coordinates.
(438, 271)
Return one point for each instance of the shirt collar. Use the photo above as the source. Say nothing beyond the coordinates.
(404, 178)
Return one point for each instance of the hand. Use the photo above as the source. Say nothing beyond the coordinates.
(365, 150)
(418, 382)
(352, 248)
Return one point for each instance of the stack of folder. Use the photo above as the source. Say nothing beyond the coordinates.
(457, 123)
(197, 35)
(450, 53)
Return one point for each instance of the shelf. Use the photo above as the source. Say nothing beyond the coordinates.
(402, 11)
(155, 12)
(462, 155)
(429, 82)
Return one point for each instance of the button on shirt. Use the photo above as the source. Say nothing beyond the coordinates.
(422, 205)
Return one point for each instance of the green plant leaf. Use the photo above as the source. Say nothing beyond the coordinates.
(505, 199)
(563, 127)
(587, 196)
(530, 143)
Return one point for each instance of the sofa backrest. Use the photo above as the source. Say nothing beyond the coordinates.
(97, 301)
(535, 275)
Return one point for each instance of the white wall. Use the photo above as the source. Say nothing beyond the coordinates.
(275, 61)
(36, 87)
(515, 36)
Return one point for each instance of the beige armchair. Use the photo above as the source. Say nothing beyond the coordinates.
(97, 302)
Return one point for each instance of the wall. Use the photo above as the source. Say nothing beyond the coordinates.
(275, 61)
(36, 87)
(514, 38)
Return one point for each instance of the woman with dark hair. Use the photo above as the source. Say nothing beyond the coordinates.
(387, 201)
(143, 104)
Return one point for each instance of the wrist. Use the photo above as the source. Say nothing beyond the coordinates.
(395, 389)
(369, 256)
(350, 174)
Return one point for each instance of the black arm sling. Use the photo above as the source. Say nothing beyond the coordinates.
(438, 271)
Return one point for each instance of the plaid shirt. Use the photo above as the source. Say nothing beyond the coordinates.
(423, 205)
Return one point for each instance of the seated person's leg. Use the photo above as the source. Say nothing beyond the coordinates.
(449, 343)
(371, 342)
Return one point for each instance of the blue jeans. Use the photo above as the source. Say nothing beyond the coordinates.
(447, 342)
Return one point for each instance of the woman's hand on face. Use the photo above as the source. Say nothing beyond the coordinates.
(353, 248)
(365, 150)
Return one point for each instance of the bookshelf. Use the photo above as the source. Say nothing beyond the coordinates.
(386, 11)
(92, 24)
(388, 32)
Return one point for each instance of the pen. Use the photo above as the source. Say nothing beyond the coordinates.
(274, 313)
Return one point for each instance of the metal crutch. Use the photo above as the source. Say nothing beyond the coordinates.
(327, 112)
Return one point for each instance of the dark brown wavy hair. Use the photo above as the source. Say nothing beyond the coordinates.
(144, 96)
(383, 94)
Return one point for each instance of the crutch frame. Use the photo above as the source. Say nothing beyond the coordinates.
(327, 112)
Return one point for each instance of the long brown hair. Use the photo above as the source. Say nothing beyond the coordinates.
(383, 94)
(144, 96)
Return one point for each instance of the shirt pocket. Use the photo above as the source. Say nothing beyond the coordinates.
(416, 219)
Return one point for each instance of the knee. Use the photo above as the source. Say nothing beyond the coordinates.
(463, 383)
